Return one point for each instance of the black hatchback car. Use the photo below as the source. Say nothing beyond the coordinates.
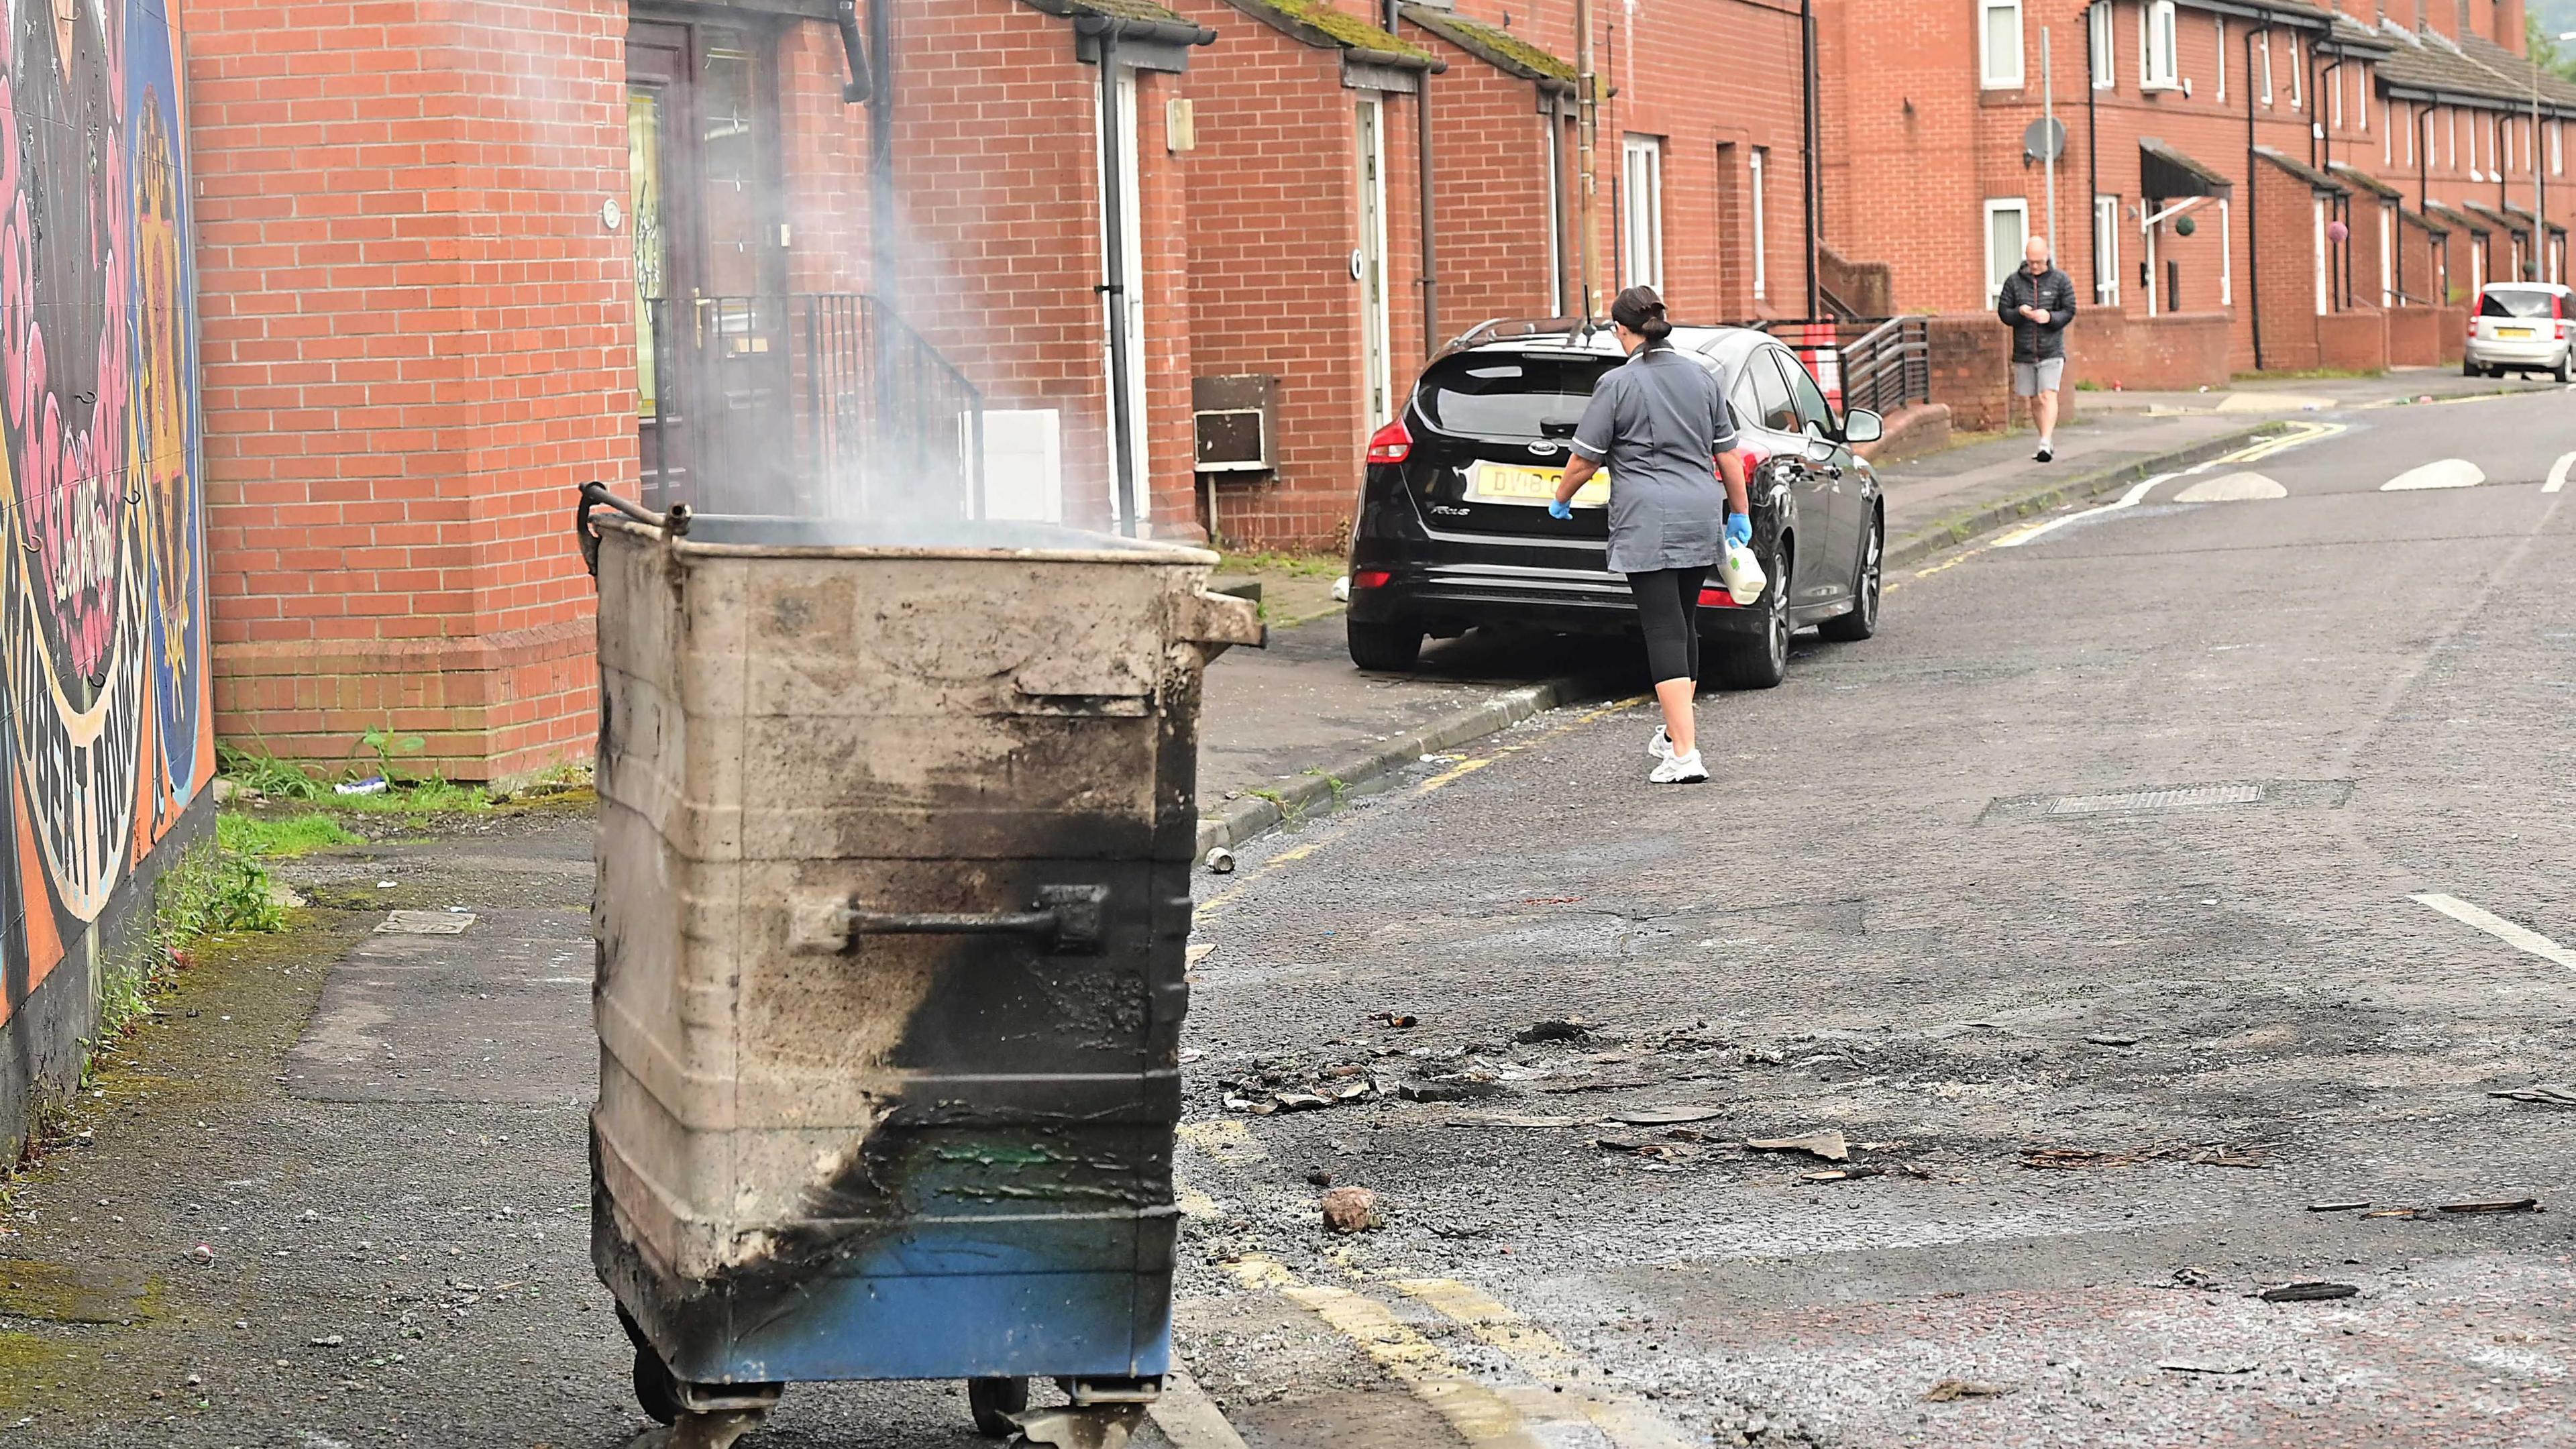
(1454, 532)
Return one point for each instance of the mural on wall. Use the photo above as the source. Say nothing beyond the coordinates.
(103, 648)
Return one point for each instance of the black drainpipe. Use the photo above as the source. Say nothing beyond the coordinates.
(1807, 179)
(2092, 161)
(2343, 203)
(1430, 227)
(2253, 252)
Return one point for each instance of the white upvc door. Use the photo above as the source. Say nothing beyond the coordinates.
(1375, 335)
(2387, 257)
(1121, 128)
(2325, 300)
(1642, 230)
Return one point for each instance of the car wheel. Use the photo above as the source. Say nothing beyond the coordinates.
(1762, 662)
(1862, 621)
(2566, 369)
(1387, 648)
(2468, 368)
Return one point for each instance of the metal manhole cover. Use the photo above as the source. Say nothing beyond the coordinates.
(2272, 794)
(2176, 798)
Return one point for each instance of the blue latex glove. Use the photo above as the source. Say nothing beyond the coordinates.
(1739, 529)
(1557, 509)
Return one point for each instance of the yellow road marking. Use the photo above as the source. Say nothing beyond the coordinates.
(1628, 1422)
(1480, 1415)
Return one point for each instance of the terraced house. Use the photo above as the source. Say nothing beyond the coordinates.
(2243, 183)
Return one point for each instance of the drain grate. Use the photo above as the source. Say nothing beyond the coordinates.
(2178, 797)
(2276, 794)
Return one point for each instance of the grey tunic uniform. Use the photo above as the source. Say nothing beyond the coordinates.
(1658, 422)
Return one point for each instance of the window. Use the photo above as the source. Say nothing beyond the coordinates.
(2557, 151)
(2451, 148)
(1815, 415)
(1999, 43)
(2264, 91)
(2157, 66)
(2222, 60)
(2334, 107)
(2361, 97)
(2105, 76)
(1772, 406)
(2007, 228)
(2226, 256)
(2106, 251)
(2298, 74)
(2387, 137)
(1641, 222)
(1550, 142)
(1523, 396)
(2324, 265)
(1761, 272)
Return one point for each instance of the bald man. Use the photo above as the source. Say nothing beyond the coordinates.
(2036, 302)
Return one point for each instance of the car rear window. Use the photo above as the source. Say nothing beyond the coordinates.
(1508, 396)
(2516, 302)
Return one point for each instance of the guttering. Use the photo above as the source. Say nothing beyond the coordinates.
(1114, 28)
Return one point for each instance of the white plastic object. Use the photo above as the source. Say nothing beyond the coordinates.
(1742, 573)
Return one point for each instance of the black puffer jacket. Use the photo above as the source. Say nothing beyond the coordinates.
(2051, 290)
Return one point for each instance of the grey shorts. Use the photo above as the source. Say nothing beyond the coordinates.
(2032, 378)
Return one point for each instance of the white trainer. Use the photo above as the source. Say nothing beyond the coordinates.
(1680, 770)
(1661, 746)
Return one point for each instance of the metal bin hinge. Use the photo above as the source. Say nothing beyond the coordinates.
(1068, 920)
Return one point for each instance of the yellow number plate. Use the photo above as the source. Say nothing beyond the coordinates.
(1503, 483)
(2517, 333)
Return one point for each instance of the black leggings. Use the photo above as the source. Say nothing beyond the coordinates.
(1668, 607)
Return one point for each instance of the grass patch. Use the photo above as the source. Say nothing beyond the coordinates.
(2313, 374)
(403, 793)
(278, 837)
(1281, 561)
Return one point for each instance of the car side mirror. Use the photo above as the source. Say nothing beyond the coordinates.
(1860, 425)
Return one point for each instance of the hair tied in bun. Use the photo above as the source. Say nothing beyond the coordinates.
(1641, 311)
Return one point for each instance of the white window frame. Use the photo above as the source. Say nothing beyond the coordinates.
(2106, 71)
(2387, 258)
(2387, 136)
(1990, 75)
(1995, 205)
(1641, 200)
(2557, 149)
(2334, 106)
(2451, 148)
(2222, 59)
(2266, 93)
(1552, 137)
(1760, 161)
(2298, 74)
(2361, 97)
(2324, 267)
(2226, 255)
(2159, 64)
(2106, 250)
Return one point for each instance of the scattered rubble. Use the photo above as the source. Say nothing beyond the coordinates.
(2549, 1093)
(1220, 861)
(2310, 1292)
(1400, 1020)
(2507, 1205)
(1952, 1390)
(2339, 1207)
(2111, 1039)
(2180, 1367)
(1828, 1145)
(1350, 1209)
(1666, 1116)
(1572, 1028)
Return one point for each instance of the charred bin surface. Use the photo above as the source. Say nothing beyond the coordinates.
(893, 902)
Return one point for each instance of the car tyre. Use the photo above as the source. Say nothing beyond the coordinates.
(1762, 662)
(2565, 371)
(1384, 648)
(2470, 369)
(1862, 621)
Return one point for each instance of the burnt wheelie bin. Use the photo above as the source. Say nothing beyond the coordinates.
(894, 857)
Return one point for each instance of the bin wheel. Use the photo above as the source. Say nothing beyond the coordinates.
(993, 1401)
(655, 1389)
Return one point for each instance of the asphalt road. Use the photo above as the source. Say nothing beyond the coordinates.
(1932, 904)
(1889, 920)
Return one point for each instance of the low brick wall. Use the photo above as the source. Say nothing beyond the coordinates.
(2414, 336)
(2355, 341)
(1912, 431)
(2451, 330)
(1972, 371)
(2173, 353)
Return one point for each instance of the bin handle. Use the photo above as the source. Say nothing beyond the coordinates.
(1067, 919)
(594, 494)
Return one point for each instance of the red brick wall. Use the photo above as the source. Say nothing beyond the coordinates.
(2414, 337)
(1273, 214)
(416, 343)
(1971, 369)
(1489, 181)
(2175, 352)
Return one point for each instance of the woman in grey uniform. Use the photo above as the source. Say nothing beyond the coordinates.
(1659, 422)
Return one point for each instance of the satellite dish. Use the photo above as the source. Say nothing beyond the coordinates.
(2044, 139)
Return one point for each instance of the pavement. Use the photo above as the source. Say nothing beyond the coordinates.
(2098, 1053)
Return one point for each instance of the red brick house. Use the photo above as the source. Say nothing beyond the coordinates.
(455, 265)
(2202, 135)
(1502, 173)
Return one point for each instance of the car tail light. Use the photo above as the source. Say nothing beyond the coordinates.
(1370, 579)
(1390, 444)
(1711, 597)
